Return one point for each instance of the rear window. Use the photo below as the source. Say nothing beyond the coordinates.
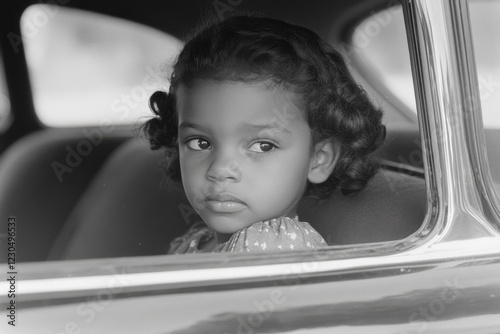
(87, 68)
(380, 45)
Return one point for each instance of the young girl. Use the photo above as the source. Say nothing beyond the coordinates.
(259, 113)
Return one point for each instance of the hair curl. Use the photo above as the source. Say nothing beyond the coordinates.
(254, 49)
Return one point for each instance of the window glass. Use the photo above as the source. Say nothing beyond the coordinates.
(88, 68)
(380, 42)
(485, 28)
(5, 113)
(485, 32)
(380, 45)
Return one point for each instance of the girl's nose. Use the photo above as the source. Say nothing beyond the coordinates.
(224, 169)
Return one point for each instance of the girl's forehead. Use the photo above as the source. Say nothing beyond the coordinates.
(233, 101)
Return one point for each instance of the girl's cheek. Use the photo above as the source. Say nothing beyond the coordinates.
(193, 170)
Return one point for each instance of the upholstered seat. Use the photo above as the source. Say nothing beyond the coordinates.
(42, 177)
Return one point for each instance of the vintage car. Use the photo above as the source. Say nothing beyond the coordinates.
(87, 218)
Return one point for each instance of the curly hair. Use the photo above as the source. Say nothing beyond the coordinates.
(256, 49)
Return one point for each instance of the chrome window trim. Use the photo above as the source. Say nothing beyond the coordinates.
(461, 201)
(144, 276)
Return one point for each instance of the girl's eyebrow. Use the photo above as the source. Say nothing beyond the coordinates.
(275, 128)
(190, 125)
(266, 127)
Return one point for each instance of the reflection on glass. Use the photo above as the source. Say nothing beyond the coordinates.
(5, 114)
(380, 44)
(485, 29)
(91, 69)
(380, 41)
(485, 32)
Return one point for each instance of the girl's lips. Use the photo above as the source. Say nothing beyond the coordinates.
(225, 206)
(223, 197)
(224, 203)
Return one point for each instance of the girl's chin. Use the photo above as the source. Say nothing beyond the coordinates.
(225, 229)
(227, 226)
(230, 225)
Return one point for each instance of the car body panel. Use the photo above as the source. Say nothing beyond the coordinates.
(407, 296)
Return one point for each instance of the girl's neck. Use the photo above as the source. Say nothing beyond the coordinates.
(222, 237)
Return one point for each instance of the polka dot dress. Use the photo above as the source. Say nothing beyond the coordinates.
(278, 234)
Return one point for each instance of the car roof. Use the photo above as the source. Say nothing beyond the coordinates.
(179, 17)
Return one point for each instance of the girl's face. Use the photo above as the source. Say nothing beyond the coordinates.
(245, 152)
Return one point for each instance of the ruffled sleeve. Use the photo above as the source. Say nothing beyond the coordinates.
(279, 234)
(195, 240)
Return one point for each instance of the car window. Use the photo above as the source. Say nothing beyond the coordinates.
(87, 68)
(380, 45)
(381, 50)
(485, 28)
(5, 114)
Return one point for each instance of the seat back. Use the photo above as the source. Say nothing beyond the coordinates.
(42, 177)
(391, 207)
(128, 209)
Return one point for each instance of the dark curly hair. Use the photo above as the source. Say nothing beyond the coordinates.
(255, 49)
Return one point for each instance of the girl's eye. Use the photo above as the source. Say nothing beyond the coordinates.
(199, 144)
(262, 146)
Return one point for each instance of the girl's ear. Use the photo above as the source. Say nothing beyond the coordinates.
(325, 157)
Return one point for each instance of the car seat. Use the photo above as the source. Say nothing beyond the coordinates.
(40, 189)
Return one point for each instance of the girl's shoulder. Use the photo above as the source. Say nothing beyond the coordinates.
(278, 234)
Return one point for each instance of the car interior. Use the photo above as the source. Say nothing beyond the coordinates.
(107, 195)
